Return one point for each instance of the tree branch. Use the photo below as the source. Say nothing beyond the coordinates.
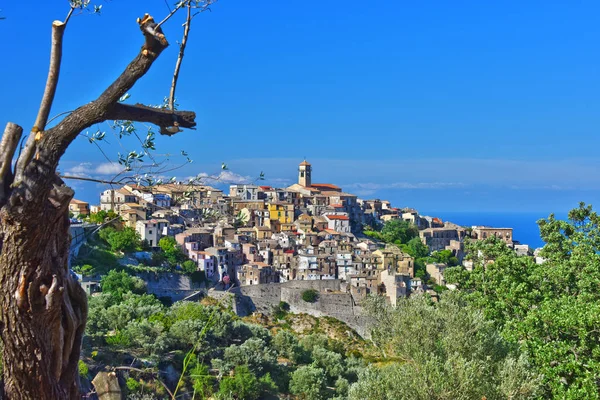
(107, 182)
(35, 176)
(167, 120)
(181, 4)
(58, 30)
(186, 31)
(8, 146)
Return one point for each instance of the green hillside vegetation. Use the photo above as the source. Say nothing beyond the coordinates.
(260, 356)
(103, 253)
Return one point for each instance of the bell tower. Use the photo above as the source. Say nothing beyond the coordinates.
(304, 174)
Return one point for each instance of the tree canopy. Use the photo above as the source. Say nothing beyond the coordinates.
(552, 310)
(446, 350)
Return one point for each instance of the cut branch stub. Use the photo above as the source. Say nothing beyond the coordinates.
(155, 39)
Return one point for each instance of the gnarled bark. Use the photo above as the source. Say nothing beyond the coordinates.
(43, 308)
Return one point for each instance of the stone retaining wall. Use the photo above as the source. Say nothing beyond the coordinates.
(331, 301)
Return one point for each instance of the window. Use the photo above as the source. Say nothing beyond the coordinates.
(150, 232)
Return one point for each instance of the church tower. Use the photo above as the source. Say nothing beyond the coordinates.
(304, 173)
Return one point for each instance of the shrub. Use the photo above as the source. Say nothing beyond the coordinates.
(310, 295)
(83, 369)
(119, 339)
(280, 310)
(133, 385)
(119, 282)
(243, 384)
(309, 382)
(189, 267)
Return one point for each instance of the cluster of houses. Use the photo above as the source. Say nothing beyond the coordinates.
(307, 231)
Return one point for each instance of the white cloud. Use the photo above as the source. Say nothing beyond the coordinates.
(87, 169)
(81, 170)
(224, 177)
(108, 169)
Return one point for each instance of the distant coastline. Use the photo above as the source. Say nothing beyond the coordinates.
(525, 228)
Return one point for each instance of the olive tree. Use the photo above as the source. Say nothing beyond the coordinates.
(43, 307)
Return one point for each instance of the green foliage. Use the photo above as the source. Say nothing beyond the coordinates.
(119, 340)
(133, 385)
(280, 310)
(123, 240)
(83, 369)
(420, 268)
(254, 353)
(119, 282)
(189, 267)
(310, 295)
(398, 231)
(552, 310)
(202, 381)
(439, 288)
(100, 259)
(84, 270)
(287, 345)
(172, 253)
(415, 248)
(102, 216)
(309, 383)
(315, 340)
(331, 362)
(267, 385)
(448, 351)
(244, 354)
(242, 385)
(445, 257)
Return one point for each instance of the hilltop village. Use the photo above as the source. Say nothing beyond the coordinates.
(307, 231)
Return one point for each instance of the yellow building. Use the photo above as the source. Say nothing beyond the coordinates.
(391, 256)
(282, 212)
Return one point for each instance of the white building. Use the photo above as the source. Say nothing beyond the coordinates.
(112, 199)
(344, 265)
(244, 192)
(152, 230)
(338, 223)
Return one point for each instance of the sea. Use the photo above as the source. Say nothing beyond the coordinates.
(525, 228)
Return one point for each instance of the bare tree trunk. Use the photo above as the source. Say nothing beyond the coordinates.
(44, 308)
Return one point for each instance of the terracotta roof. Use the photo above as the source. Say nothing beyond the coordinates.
(304, 163)
(266, 187)
(324, 186)
(338, 217)
(337, 205)
(78, 201)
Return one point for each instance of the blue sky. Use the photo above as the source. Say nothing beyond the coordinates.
(442, 106)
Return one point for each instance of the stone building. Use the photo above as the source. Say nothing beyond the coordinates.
(439, 238)
(484, 232)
